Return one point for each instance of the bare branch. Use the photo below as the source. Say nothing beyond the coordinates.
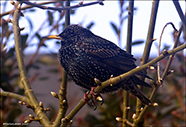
(172, 56)
(158, 63)
(150, 35)
(126, 98)
(26, 7)
(64, 8)
(180, 12)
(148, 44)
(13, 95)
(28, 91)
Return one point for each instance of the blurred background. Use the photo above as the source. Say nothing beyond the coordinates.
(108, 21)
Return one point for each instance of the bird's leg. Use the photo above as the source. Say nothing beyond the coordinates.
(86, 97)
(92, 94)
(95, 96)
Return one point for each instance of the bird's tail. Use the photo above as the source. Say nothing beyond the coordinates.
(133, 88)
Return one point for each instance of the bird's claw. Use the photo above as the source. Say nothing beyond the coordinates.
(94, 96)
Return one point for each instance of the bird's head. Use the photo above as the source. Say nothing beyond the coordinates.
(71, 33)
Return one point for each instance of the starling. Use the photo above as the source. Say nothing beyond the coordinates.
(86, 56)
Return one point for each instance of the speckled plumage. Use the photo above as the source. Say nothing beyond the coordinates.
(86, 56)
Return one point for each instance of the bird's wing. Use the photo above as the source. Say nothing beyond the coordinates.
(108, 53)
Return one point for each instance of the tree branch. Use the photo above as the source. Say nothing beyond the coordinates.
(150, 35)
(13, 95)
(73, 112)
(172, 56)
(158, 63)
(28, 91)
(27, 7)
(148, 44)
(64, 8)
(180, 12)
(130, 23)
(126, 98)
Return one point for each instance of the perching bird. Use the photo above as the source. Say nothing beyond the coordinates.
(86, 56)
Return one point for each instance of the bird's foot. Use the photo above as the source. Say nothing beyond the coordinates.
(94, 96)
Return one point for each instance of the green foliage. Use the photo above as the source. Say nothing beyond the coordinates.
(115, 28)
(89, 26)
(137, 42)
(50, 17)
(30, 23)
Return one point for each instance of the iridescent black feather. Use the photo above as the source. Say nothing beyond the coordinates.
(86, 56)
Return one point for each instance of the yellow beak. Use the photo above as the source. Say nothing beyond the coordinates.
(53, 37)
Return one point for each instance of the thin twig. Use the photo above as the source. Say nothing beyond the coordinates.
(126, 98)
(180, 12)
(128, 122)
(14, 95)
(158, 63)
(148, 44)
(172, 56)
(130, 25)
(73, 112)
(150, 35)
(27, 7)
(64, 8)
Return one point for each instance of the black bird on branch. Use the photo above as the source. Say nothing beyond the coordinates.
(86, 56)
